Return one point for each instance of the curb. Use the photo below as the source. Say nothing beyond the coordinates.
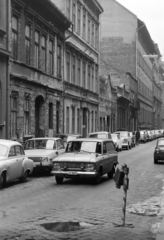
(160, 234)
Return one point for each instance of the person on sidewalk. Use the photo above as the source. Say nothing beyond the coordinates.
(137, 136)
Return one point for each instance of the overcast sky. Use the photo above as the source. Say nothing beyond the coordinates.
(151, 12)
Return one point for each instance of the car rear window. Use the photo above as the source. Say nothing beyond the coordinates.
(98, 135)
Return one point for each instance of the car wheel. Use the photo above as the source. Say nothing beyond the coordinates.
(112, 172)
(155, 161)
(24, 177)
(98, 177)
(2, 180)
(59, 180)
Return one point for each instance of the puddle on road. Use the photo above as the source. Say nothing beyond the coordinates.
(66, 226)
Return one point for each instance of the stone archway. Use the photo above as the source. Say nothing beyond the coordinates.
(39, 117)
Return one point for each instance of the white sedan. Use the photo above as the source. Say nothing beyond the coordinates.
(117, 141)
(14, 164)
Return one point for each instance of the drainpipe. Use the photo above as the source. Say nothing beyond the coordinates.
(8, 67)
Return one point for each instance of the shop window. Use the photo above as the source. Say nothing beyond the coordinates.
(50, 115)
(14, 107)
(26, 116)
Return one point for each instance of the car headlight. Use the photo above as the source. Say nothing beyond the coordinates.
(44, 159)
(90, 166)
(56, 166)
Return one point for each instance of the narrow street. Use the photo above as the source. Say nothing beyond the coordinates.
(25, 207)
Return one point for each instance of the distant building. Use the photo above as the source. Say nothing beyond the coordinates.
(124, 39)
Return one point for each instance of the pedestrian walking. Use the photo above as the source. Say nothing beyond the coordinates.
(137, 136)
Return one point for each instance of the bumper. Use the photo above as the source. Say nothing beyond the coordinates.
(39, 165)
(74, 174)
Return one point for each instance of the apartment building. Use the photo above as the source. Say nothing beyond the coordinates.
(81, 71)
(36, 69)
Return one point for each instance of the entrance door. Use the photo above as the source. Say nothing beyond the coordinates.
(39, 117)
(84, 122)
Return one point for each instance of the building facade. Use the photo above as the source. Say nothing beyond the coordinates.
(124, 39)
(36, 69)
(81, 86)
(4, 66)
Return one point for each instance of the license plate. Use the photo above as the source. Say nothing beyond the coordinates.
(72, 173)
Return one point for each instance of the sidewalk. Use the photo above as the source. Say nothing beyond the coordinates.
(160, 234)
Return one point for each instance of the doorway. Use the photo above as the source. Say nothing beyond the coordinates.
(39, 117)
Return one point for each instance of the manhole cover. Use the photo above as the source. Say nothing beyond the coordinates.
(65, 226)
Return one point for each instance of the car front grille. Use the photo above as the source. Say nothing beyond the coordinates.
(36, 159)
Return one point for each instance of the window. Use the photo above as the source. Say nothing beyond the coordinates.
(50, 115)
(95, 121)
(51, 57)
(73, 69)
(110, 147)
(68, 66)
(14, 115)
(12, 152)
(84, 25)
(92, 81)
(96, 37)
(27, 43)
(59, 61)
(78, 72)
(89, 76)
(78, 120)
(96, 82)
(15, 38)
(67, 120)
(79, 20)
(19, 151)
(43, 53)
(89, 30)
(26, 116)
(93, 35)
(36, 49)
(73, 119)
(68, 8)
(92, 122)
(74, 15)
(84, 70)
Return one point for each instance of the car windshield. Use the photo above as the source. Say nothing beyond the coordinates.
(123, 134)
(80, 146)
(98, 135)
(48, 144)
(3, 150)
(114, 136)
(161, 143)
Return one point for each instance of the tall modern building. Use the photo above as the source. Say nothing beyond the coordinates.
(81, 66)
(124, 40)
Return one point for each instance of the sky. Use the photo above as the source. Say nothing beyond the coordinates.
(151, 12)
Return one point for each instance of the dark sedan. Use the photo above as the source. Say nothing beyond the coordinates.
(159, 151)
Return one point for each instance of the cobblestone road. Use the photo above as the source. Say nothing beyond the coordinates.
(25, 207)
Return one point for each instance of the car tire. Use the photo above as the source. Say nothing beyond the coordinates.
(24, 177)
(59, 180)
(155, 161)
(112, 172)
(97, 179)
(2, 180)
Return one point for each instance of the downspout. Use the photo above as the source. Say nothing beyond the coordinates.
(7, 69)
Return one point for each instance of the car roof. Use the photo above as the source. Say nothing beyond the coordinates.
(91, 140)
(9, 143)
(99, 132)
(44, 138)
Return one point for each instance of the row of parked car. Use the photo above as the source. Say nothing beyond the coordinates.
(67, 156)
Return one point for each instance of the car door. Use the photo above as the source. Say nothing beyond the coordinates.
(13, 164)
(20, 158)
(112, 156)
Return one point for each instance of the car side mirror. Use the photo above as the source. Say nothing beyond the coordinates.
(57, 153)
